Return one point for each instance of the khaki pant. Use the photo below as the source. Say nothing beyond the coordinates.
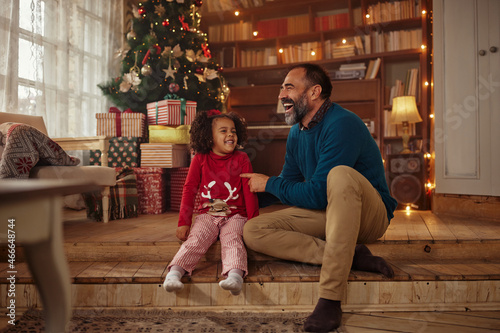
(355, 214)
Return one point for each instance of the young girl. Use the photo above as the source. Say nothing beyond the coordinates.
(226, 200)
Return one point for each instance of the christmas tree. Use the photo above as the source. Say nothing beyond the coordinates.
(167, 58)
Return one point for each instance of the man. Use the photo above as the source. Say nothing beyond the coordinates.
(334, 177)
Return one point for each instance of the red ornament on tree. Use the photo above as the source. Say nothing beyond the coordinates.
(165, 23)
(199, 70)
(198, 3)
(141, 10)
(220, 69)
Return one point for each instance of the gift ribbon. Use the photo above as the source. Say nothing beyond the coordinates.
(118, 118)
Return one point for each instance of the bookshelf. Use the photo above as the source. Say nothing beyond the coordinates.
(331, 34)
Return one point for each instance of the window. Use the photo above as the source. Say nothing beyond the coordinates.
(58, 51)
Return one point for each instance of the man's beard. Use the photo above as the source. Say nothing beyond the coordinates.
(300, 109)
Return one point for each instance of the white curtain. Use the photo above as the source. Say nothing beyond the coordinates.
(53, 55)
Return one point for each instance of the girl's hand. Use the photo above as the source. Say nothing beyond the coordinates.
(183, 232)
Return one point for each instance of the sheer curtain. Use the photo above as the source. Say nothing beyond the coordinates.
(53, 55)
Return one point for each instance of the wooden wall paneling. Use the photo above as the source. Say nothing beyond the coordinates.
(121, 295)
(265, 293)
(221, 297)
(428, 292)
(363, 293)
(396, 293)
(296, 293)
(488, 291)
(89, 295)
(155, 296)
(194, 294)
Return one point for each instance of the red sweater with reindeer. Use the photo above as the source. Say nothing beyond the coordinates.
(218, 177)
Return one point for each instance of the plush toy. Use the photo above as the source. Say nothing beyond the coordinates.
(218, 207)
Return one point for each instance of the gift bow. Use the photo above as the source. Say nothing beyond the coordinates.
(118, 118)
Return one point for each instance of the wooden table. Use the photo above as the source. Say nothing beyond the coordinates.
(87, 143)
(30, 214)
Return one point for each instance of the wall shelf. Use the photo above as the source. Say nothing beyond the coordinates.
(258, 81)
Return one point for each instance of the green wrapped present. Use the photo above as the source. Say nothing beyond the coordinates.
(123, 151)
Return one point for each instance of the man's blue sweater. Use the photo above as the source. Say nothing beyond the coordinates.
(341, 138)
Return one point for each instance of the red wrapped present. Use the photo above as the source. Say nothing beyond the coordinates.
(177, 179)
(171, 112)
(152, 190)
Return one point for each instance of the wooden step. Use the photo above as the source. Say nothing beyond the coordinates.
(441, 263)
(417, 286)
(165, 251)
(84, 272)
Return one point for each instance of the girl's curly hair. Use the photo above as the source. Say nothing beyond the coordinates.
(201, 139)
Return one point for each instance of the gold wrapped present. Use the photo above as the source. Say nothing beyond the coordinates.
(169, 134)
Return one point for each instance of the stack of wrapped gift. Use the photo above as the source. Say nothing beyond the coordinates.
(152, 189)
(168, 122)
(128, 131)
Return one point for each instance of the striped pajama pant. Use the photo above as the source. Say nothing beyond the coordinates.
(204, 233)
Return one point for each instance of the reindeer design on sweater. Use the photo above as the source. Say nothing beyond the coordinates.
(218, 207)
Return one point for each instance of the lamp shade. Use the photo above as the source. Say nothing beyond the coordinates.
(404, 109)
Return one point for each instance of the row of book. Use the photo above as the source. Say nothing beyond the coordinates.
(364, 44)
(225, 5)
(283, 26)
(331, 45)
(393, 11)
(230, 32)
(301, 52)
(393, 41)
(259, 57)
(330, 22)
(408, 87)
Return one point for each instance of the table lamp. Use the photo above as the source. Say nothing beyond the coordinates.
(405, 112)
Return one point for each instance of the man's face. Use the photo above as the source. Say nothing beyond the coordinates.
(293, 96)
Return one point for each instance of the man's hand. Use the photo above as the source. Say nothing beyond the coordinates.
(257, 181)
(183, 232)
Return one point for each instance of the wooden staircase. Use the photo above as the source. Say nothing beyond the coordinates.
(441, 263)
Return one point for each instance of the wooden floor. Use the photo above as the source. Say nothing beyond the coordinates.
(447, 274)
